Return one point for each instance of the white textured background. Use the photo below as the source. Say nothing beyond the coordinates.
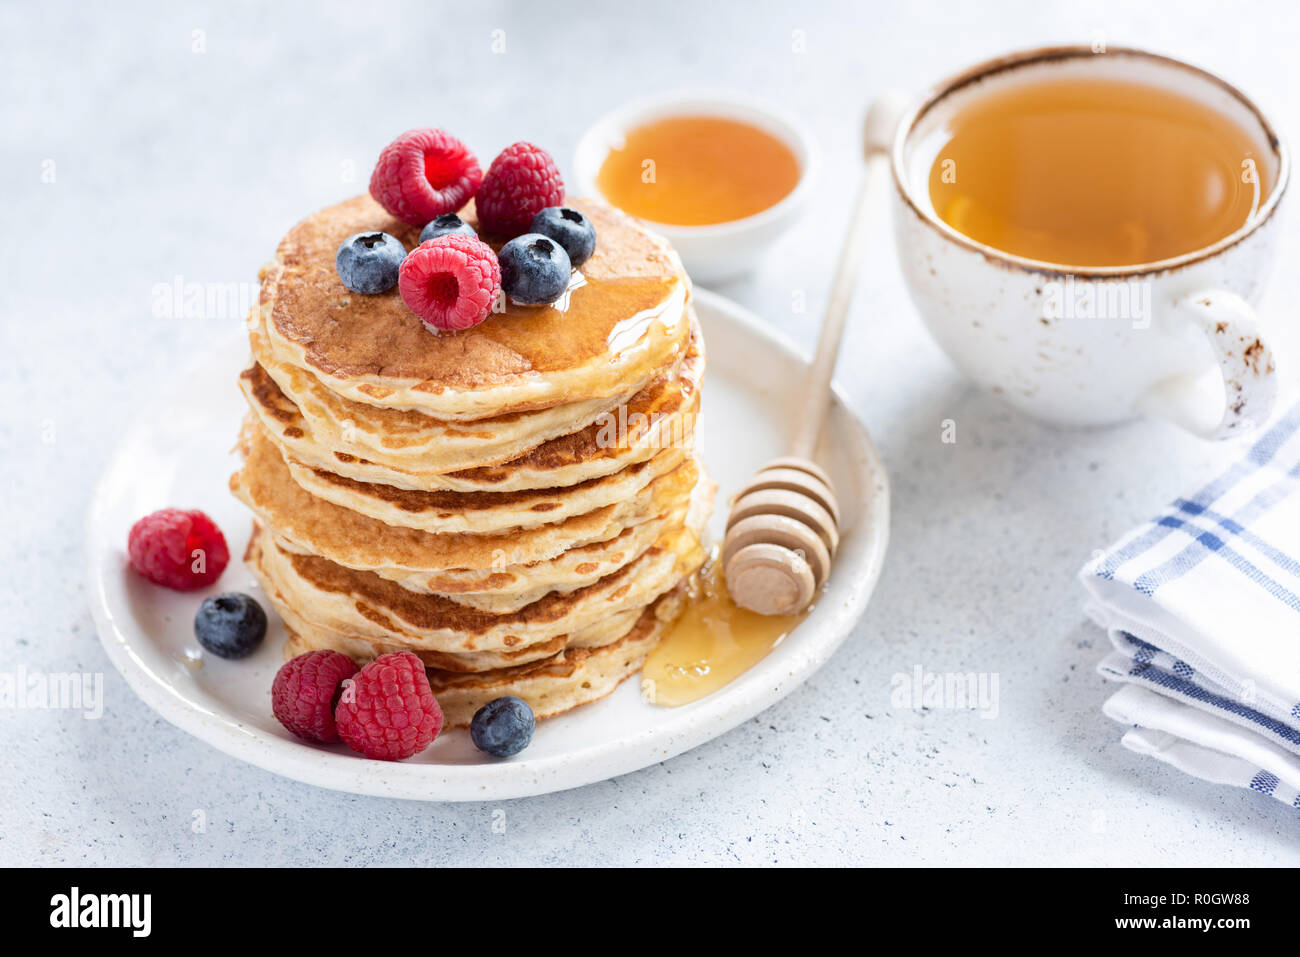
(170, 162)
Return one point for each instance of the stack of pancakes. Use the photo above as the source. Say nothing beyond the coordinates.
(517, 504)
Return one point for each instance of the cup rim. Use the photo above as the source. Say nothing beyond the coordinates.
(698, 101)
(1022, 58)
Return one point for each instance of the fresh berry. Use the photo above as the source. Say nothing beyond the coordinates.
(445, 225)
(423, 174)
(306, 691)
(230, 625)
(521, 182)
(179, 549)
(534, 269)
(387, 710)
(368, 262)
(451, 282)
(570, 229)
(503, 727)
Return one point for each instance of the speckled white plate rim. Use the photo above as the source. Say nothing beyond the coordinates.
(857, 570)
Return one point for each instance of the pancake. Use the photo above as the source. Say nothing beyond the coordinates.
(357, 541)
(661, 415)
(508, 587)
(482, 512)
(620, 324)
(363, 605)
(551, 685)
(413, 440)
(309, 636)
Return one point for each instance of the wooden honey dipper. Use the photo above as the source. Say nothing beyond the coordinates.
(784, 527)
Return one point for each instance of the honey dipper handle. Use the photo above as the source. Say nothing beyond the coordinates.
(882, 118)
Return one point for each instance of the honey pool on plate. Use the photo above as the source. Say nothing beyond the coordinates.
(698, 171)
(714, 642)
(1096, 172)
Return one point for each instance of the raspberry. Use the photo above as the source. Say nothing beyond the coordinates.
(521, 182)
(306, 691)
(178, 549)
(423, 174)
(388, 710)
(451, 281)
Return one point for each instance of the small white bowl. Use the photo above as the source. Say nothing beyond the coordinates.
(721, 250)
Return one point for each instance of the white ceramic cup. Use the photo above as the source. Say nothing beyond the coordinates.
(723, 250)
(1083, 346)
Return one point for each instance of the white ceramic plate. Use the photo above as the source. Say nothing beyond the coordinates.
(177, 454)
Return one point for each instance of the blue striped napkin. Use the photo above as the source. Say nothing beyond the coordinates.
(1202, 605)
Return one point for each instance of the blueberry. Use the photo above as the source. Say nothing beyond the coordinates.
(570, 229)
(368, 262)
(534, 269)
(445, 224)
(503, 727)
(230, 625)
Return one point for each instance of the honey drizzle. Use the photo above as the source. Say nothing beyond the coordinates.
(712, 643)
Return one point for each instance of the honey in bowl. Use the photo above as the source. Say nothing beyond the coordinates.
(698, 171)
(712, 643)
(1096, 172)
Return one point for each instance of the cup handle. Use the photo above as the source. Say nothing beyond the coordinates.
(1233, 331)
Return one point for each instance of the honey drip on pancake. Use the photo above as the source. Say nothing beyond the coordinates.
(714, 642)
(599, 316)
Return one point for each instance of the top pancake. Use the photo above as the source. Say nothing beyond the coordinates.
(623, 319)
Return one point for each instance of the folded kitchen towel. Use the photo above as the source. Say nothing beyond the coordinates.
(1201, 743)
(1202, 605)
